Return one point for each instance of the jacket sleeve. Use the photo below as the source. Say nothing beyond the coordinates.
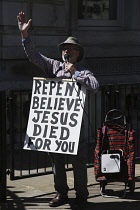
(86, 78)
(46, 64)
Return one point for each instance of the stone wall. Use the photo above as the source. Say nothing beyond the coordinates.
(108, 46)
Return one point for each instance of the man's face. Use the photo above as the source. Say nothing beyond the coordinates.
(73, 52)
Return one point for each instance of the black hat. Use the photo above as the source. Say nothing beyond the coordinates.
(73, 40)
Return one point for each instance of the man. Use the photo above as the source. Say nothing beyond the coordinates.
(72, 52)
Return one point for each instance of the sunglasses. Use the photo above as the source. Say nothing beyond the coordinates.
(69, 48)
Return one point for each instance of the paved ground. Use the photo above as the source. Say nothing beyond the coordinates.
(35, 193)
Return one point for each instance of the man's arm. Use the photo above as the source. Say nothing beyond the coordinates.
(87, 78)
(49, 66)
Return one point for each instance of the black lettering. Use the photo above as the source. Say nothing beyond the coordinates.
(58, 144)
(45, 117)
(55, 103)
(37, 130)
(77, 104)
(65, 133)
(45, 83)
(35, 102)
(30, 141)
(59, 88)
(53, 131)
(43, 102)
(79, 88)
(54, 118)
(45, 131)
(69, 89)
(64, 118)
(71, 147)
(61, 104)
(35, 120)
(69, 103)
(64, 146)
(47, 144)
(49, 104)
(37, 87)
(73, 119)
(38, 143)
(52, 86)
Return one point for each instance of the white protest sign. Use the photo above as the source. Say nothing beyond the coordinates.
(55, 116)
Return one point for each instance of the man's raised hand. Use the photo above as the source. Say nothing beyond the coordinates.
(23, 24)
